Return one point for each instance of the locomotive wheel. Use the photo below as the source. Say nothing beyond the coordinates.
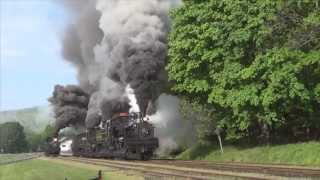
(126, 155)
(146, 156)
(134, 155)
(143, 157)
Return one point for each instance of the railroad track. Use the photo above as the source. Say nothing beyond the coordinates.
(273, 169)
(169, 170)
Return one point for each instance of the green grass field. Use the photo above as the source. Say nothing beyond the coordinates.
(7, 158)
(307, 154)
(40, 169)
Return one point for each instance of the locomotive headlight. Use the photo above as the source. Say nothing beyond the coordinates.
(121, 139)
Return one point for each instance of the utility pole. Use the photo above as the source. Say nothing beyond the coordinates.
(218, 131)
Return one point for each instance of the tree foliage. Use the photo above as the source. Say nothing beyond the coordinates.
(200, 116)
(12, 138)
(36, 141)
(256, 62)
(48, 132)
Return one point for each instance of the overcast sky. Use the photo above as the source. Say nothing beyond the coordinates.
(31, 62)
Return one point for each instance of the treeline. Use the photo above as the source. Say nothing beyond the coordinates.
(249, 69)
(14, 139)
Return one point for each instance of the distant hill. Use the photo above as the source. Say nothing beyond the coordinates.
(32, 119)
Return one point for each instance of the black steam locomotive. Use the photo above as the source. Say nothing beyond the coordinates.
(51, 147)
(125, 136)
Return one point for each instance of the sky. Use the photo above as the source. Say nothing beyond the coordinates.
(30, 59)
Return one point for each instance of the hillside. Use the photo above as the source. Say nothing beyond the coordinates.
(32, 119)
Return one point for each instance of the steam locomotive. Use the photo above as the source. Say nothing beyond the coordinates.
(51, 147)
(124, 136)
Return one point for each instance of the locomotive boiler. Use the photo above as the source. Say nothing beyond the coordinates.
(124, 136)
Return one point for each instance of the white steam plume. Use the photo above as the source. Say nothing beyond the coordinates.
(170, 128)
(132, 100)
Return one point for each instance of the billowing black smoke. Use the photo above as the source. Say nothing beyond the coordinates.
(111, 107)
(70, 106)
(141, 65)
(116, 44)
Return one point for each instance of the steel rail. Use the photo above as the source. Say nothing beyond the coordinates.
(169, 170)
(274, 169)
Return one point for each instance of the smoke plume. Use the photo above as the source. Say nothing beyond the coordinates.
(70, 106)
(119, 47)
(170, 127)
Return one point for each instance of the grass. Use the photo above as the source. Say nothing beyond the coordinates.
(307, 154)
(40, 169)
(5, 158)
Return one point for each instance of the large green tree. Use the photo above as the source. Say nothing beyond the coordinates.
(257, 63)
(12, 138)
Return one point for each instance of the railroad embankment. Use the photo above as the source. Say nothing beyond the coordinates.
(307, 153)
